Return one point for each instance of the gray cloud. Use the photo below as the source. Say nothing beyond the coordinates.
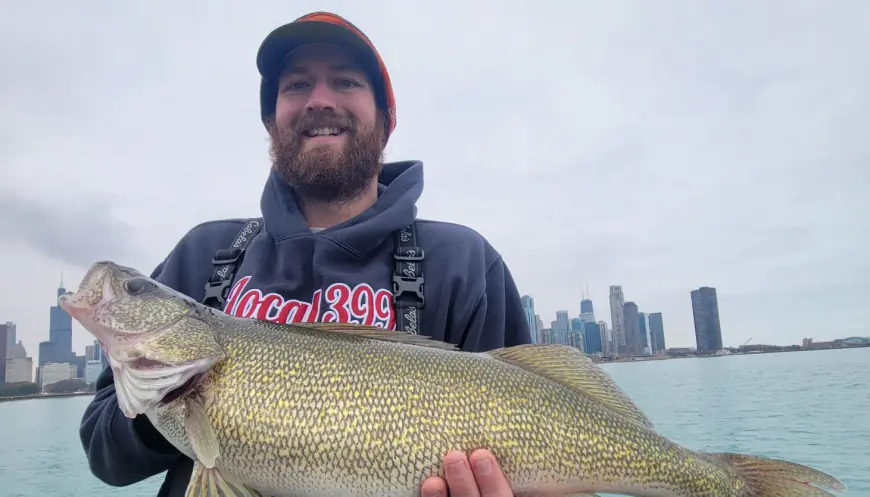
(73, 234)
(657, 146)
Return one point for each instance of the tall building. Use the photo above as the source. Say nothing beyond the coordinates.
(643, 328)
(10, 338)
(575, 335)
(586, 312)
(92, 371)
(656, 332)
(633, 341)
(59, 332)
(705, 310)
(99, 355)
(617, 321)
(4, 352)
(46, 353)
(606, 338)
(562, 325)
(592, 339)
(548, 336)
(529, 310)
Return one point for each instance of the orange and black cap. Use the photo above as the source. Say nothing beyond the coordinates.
(329, 28)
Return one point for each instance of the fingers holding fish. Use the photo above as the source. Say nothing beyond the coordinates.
(475, 476)
(488, 474)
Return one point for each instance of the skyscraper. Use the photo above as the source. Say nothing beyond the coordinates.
(592, 339)
(586, 312)
(606, 338)
(59, 332)
(575, 333)
(656, 332)
(705, 310)
(643, 329)
(617, 321)
(529, 310)
(562, 326)
(633, 341)
(10, 338)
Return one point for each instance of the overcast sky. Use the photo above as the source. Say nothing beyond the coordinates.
(661, 146)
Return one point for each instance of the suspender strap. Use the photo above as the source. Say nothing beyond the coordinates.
(408, 281)
(226, 262)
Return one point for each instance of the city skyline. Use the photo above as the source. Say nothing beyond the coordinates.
(637, 332)
(81, 340)
(667, 171)
(56, 355)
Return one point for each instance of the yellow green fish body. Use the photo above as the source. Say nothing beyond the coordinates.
(344, 410)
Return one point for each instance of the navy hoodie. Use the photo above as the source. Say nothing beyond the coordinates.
(291, 273)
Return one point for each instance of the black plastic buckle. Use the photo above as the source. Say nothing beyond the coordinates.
(217, 290)
(226, 256)
(402, 284)
(409, 254)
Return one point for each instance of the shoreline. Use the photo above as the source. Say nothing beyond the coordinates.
(624, 359)
(44, 396)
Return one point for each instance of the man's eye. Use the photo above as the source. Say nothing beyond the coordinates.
(294, 86)
(348, 83)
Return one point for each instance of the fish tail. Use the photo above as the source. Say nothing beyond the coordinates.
(764, 477)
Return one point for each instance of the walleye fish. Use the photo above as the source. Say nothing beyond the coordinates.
(332, 409)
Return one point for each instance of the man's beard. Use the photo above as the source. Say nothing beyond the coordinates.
(322, 173)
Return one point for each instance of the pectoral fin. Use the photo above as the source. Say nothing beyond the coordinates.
(201, 434)
(209, 482)
(571, 368)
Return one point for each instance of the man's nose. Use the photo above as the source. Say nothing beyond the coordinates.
(321, 98)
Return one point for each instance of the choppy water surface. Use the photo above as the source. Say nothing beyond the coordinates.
(808, 407)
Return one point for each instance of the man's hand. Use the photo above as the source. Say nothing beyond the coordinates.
(475, 476)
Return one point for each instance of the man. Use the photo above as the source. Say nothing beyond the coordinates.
(339, 241)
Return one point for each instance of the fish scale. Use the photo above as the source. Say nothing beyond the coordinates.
(329, 409)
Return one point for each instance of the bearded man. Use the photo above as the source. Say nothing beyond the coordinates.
(338, 241)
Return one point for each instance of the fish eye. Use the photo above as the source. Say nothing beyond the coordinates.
(137, 286)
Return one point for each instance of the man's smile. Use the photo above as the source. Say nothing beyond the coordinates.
(311, 133)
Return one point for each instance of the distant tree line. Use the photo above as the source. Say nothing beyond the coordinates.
(67, 386)
(22, 388)
(18, 389)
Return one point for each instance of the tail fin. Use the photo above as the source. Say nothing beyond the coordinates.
(776, 478)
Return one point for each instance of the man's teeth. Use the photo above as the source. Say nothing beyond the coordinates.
(323, 131)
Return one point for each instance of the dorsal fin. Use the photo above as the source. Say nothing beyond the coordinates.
(571, 368)
(375, 333)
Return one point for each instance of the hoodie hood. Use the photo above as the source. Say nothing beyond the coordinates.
(400, 184)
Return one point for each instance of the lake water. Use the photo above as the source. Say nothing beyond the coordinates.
(808, 407)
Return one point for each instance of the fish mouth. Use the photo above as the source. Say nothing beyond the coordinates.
(94, 290)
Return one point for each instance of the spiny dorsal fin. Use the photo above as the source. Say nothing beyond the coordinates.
(571, 368)
(380, 334)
